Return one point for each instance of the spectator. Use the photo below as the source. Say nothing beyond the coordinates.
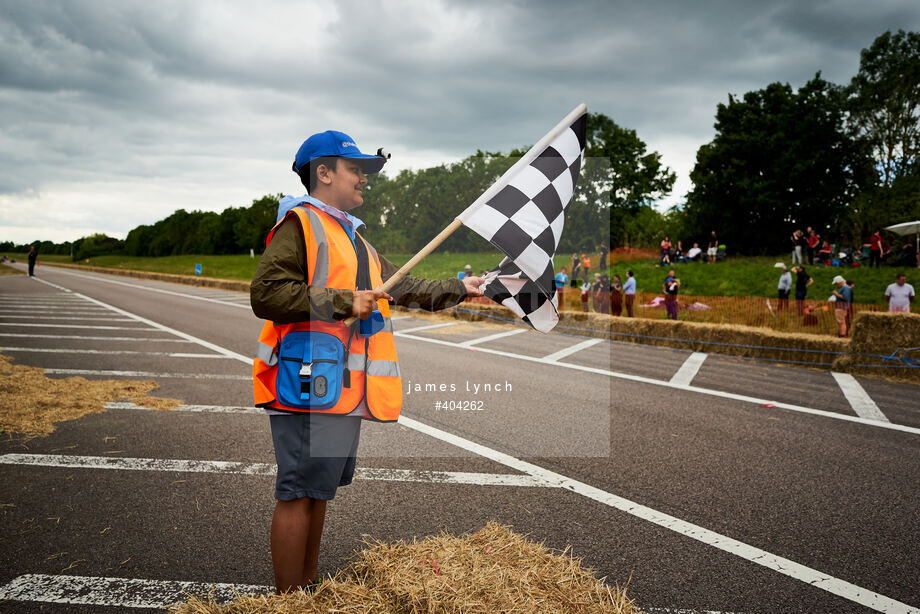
(825, 254)
(843, 295)
(576, 263)
(33, 256)
(796, 246)
(595, 293)
(693, 253)
(678, 253)
(629, 293)
(900, 294)
(850, 305)
(466, 272)
(875, 249)
(802, 281)
(604, 251)
(713, 249)
(813, 240)
(585, 291)
(585, 265)
(783, 289)
(604, 298)
(616, 296)
(670, 287)
(561, 280)
(666, 251)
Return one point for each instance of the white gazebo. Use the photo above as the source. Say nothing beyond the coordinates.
(908, 228)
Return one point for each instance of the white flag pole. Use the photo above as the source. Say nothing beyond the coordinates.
(494, 189)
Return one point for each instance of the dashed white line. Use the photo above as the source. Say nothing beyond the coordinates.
(40, 317)
(857, 397)
(666, 384)
(429, 327)
(556, 356)
(688, 370)
(108, 373)
(112, 352)
(149, 288)
(157, 325)
(93, 338)
(219, 409)
(487, 338)
(88, 326)
(118, 592)
(266, 469)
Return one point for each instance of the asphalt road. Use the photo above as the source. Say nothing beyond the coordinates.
(708, 484)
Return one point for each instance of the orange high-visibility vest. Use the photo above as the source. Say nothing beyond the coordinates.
(367, 366)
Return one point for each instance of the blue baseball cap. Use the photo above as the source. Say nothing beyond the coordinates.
(339, 144)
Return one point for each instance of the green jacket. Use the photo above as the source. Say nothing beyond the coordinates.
(279, 290)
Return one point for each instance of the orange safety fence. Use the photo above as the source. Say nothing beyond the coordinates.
(808, 316)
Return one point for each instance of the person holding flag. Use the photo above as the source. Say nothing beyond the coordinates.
(317, 376)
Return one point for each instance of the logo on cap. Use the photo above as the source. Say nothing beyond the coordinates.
(348, 144)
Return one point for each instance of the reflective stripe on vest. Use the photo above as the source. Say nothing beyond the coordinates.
(332, 263)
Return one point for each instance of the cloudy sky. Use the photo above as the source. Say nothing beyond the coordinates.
(116, 113)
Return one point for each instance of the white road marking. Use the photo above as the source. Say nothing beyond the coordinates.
(39, 317)
(94, 327)
(556, 356)
(106, 373)
(551, 479)
(265, 469)
(487, 338)
(688, 370)
(858, 398)
(59, 309)
(91, 338)
(151, 323)
(150, 289)
(430, 326)
(658, 382)
(119, 592)
(776, 563)
(113, 352)
(781, 565)
(219, 409)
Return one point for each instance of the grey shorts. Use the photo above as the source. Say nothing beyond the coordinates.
(315, 454)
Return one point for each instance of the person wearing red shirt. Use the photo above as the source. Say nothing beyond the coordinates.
(875, 249)
(814, 240)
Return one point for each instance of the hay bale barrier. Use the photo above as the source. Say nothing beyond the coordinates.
(890, 342)
(31, 403)
(491, 570)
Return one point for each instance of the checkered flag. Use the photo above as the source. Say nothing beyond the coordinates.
(523, 214)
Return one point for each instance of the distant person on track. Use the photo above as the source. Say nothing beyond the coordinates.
(33, 257)
(899, 295)
(783, 289)
(629, 293)
(318, 378)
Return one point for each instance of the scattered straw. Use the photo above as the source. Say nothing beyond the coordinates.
(31, 403)
(492, 570)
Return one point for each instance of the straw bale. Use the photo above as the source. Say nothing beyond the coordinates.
(883, 334)
(492, 570)
(31, 403)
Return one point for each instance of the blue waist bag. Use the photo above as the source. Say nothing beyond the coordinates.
(310, 369)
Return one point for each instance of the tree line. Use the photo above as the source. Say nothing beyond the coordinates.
(840, 158)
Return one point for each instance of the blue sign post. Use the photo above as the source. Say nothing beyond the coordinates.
(198, 269)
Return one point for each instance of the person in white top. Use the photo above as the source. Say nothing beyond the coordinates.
(900, 294)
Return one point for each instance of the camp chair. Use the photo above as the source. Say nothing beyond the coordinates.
(720, 252)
